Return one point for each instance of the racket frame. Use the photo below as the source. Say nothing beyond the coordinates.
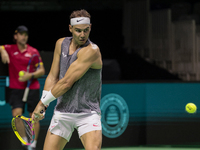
(30, 123)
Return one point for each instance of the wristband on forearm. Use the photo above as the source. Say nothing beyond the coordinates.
(44, 93)
(47, 98)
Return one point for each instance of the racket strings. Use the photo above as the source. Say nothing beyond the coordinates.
(24, 129)
(28, 134)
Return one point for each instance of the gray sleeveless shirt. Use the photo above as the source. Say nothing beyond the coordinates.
(85, 94)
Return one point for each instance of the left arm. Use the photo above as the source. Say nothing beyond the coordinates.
(28, 75)
(39, 72)
(88, 58)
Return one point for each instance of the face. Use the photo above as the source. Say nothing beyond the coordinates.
(21, 38)
(80, 33)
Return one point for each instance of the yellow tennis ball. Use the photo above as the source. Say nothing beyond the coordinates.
(21, 73)
(191, 108)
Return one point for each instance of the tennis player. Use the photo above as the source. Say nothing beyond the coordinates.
(17, 56)
(75, 80)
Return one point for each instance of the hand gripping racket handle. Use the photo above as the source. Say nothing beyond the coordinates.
(41, 112)
(24, 99)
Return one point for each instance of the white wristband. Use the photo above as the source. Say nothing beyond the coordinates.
(48, 98)
(44, 93)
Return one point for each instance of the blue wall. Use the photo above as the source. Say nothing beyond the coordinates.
(157, 101)
(146, 101)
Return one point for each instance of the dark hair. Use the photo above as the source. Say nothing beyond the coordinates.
(80, 13)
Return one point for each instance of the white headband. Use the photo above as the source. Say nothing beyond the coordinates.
(80, 20)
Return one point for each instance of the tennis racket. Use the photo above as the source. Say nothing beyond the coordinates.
(24, 129)
(24, 99)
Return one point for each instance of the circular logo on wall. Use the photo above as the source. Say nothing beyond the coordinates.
(114, 115)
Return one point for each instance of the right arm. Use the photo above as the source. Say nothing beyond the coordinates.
(53, 75)
(4, 55)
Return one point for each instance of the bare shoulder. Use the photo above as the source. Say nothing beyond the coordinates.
(94, 47)
(92, 50)
(58, 45)
(91, 53)
(59, 41)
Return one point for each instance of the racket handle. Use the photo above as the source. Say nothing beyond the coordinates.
(24, 99)
(43, 112)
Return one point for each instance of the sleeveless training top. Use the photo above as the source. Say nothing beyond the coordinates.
(85, 94)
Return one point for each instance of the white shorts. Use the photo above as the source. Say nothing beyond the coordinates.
(63, 124)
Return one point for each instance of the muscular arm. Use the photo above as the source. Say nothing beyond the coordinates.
(52, 77)
(87, 58)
